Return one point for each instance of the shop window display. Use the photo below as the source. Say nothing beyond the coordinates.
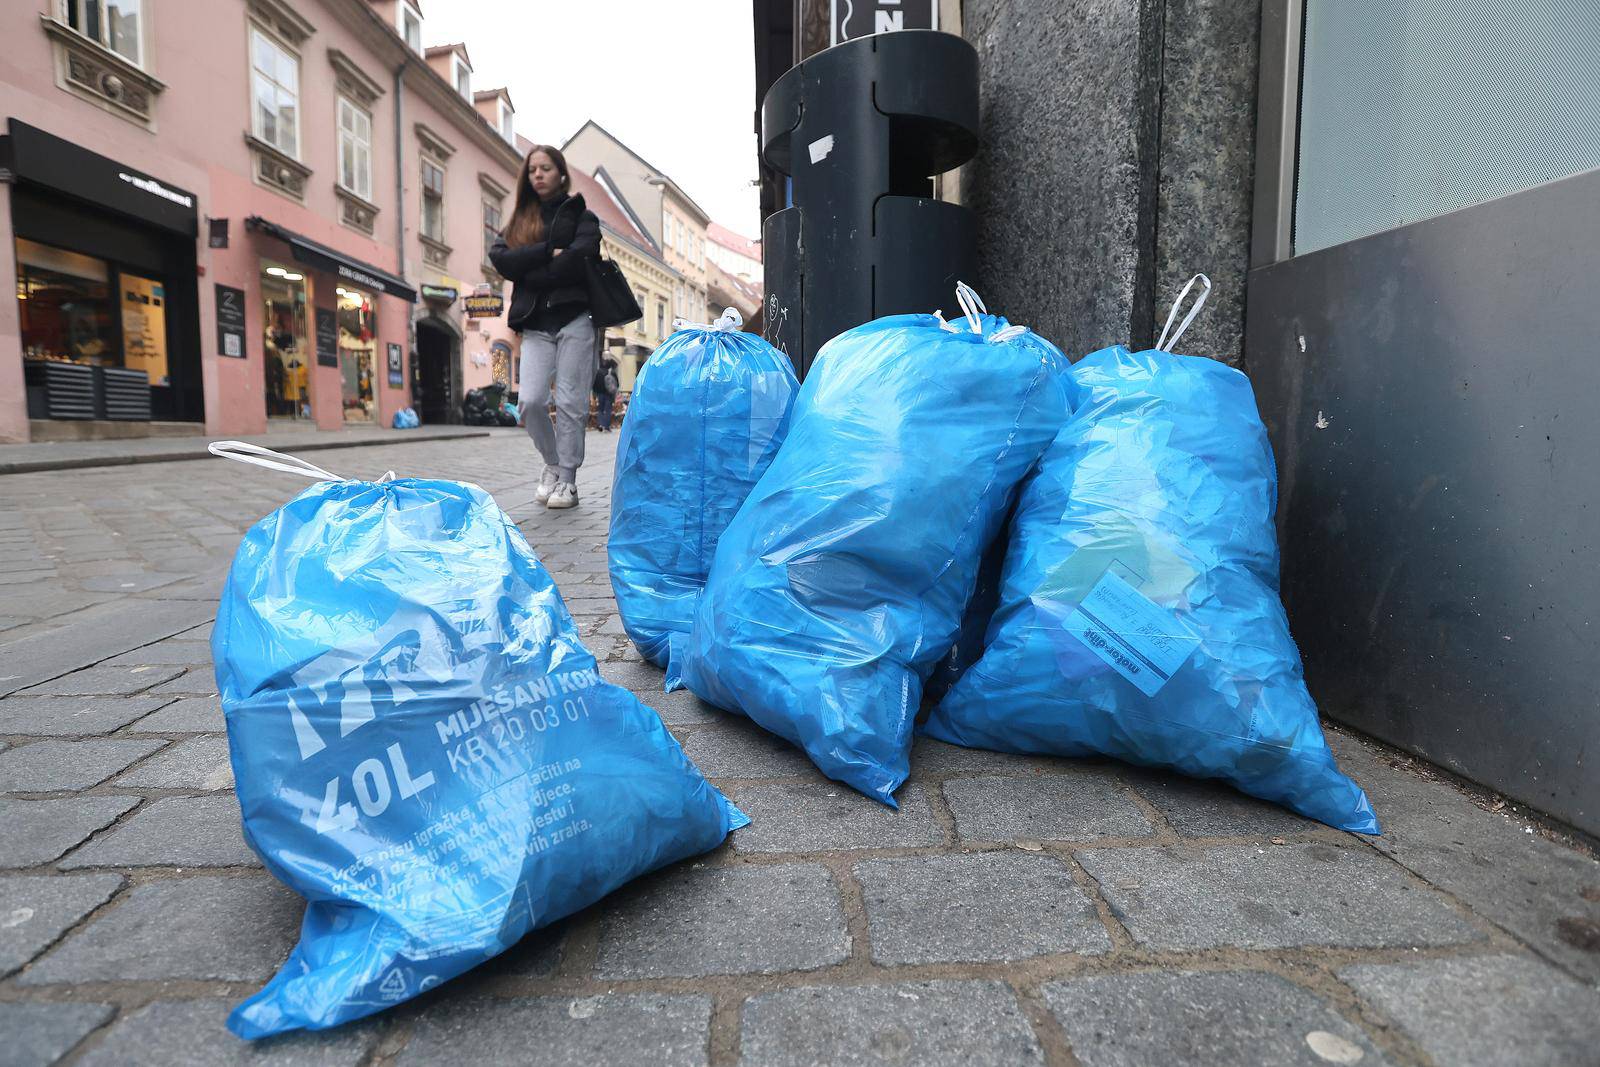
(358, 346)
(65, 306)
(288, 347)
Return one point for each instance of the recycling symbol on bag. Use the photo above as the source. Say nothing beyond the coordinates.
(393, 986)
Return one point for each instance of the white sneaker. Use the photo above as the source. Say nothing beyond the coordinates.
(547, 483)
(564, 495)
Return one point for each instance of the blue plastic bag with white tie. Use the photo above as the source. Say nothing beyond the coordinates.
(708, 413)
(423, 748)
(842, 581)
(1138, 612)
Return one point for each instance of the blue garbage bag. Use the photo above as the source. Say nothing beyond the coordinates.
(842, 580)
(707, 414)
(424, 749)
(406, 419)
(1139, 614)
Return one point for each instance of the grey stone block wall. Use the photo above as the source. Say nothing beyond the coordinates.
(1117, 160)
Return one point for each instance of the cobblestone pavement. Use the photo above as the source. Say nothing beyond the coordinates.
(1014, 911)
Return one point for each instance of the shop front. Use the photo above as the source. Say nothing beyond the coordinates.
(322, 316)
(106, 287)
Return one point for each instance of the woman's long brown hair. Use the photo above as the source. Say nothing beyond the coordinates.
(527, 225)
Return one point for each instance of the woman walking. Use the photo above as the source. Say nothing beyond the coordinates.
(542, 252)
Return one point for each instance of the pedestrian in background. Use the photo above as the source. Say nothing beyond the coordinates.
(542, 252)
(606, 385)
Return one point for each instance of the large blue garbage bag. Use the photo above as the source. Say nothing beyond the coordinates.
(1139, 613)
(842, 581)
(705, 419)
(423, 748)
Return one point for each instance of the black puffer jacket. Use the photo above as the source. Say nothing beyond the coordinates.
(547, 287)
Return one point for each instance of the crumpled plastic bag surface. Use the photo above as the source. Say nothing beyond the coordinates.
(705, 420)
(842, 580)
(1139, 614)
(424, 749)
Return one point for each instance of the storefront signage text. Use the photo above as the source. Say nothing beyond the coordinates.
(444, 294)
(484, 305)
(361, 277)
(155, 188)
(327, 337)
(230, 321)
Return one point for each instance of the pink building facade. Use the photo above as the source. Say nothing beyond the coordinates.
(225, 216)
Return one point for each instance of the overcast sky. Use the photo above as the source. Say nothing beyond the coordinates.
(675, 81)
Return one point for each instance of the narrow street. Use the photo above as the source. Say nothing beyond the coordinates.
(1015, 910)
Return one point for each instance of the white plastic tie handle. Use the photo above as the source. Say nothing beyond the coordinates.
(971, 304)
(1164, 345)
(245, 452)
(730, 321)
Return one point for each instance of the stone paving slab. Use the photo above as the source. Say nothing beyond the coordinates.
(1211, 809)
(73, 716)
(1540, 890)
(37, 831)
(173, 832)
(37, 1035)
(738, 748)
(976, 908)
(820, 817)
(698, 920)
(1243, 1019)
(197, 763)
(185, 715)
(669, 1030)
(1486, 1011)
(51, 765)
(942, 1022)
(1080, 806)
(227, 929)
(1183, 898)
(192, 1033)
(37, 909)
(106, 681)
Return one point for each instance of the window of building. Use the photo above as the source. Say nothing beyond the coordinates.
(411, 27)
(638, 324)
(463, 78)
(358, 348)
(661, 320)
(491, 226)
(355, 149)
(276, 88)
(117, 24)
(432, 200)
(287, 343)
(505, 123)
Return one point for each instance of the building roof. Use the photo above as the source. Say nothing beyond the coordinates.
(440, 49)
(489, 94)
(721, 235)
(646, 164)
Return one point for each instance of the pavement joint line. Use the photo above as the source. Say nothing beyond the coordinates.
(725, 1034)
(1389, 1037)
(1047, 1029)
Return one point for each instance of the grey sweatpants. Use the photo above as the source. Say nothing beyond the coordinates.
(566, 359)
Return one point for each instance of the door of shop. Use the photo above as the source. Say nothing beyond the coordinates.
(1420, 331)
(433, 385)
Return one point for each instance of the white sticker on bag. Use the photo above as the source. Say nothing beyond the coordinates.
(1139, 639)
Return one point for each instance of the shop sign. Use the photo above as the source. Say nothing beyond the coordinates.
(230, 321)
(850, 19)
(396, 374)
(444, 294)
(327, 337)
(51, 161)
(484, 305)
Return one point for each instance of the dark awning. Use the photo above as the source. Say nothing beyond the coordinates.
(313, 254)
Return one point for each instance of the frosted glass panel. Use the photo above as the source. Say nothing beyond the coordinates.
(1412, 108)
